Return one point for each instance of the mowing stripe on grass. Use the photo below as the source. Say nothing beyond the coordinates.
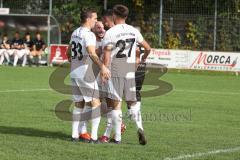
(25, 90)
(177, 90)
(196, 155)
(208, 92)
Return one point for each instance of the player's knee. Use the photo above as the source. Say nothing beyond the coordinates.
(131, 103)
(79, 104)
(114, 104)
(95, 103)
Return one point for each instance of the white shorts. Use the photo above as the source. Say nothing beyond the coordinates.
(119, 87)
(83, 90)
(2, 51)
(11, 51)
(22, 52)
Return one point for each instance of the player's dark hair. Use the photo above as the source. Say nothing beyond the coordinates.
(16, 32)
(120, 11)
(27, 33)
(86, 13)
(5, 35)
(107, 13)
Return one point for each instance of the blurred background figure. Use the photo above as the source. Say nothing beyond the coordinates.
(19, 51)
(38, 48)
(5, 49)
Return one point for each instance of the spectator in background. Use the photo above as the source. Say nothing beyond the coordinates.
(0, 39)
(20, 52)
(6, 49)
(38, 48)
(2, 50)
(28, 46)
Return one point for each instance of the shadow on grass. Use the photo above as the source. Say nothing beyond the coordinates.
(32, 132)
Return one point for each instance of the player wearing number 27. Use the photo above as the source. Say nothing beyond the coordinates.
(85, 88)
(119, 46)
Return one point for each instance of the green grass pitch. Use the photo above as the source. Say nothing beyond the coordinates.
(201, 114)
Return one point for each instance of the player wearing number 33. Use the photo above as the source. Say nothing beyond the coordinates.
(85, 88)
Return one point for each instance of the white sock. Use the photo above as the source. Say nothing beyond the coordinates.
(75, 122)
(7, 56)
(15, 60)
(108, 130)
(136, 114)
(24, 60)
(1, 59)
(83, 128)
(117, 121)
(95, 122)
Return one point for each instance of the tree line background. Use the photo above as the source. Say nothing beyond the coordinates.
(186, 24)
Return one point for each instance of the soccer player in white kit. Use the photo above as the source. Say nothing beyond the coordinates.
(85, 88)
(6, 49)
(120, 56)
(2, 51)
(20, 50)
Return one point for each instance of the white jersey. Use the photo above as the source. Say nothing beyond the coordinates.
(123, 39)
(80, 61)
(99, 45)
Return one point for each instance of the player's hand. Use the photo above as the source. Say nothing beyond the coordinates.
(105, 74)
(143, 60)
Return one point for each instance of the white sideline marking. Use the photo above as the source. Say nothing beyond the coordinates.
(207, 92)
(25, 90)
(195, 155)
(177, 90)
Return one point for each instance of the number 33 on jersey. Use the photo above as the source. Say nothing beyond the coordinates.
(81, 38)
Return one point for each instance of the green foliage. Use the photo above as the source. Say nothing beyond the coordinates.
(68, 15)
(224, 36)
(171, 40)
(191, 39)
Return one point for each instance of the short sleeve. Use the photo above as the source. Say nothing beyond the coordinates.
(107, 41)
(90, 39)
(139, 36)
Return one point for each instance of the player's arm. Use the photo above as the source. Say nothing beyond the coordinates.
(7, 45)
(69, 52)
(147, 50)
(138, 52)
(98, 51)
(107, 55)
(34, 46)
(43, 45)
(92, 54)
(12, 46)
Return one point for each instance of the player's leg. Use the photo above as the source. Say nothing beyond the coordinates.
(31, 58)
(116, 114)
(107, 133)
(77, 110)
(24, 57)
(2, 56)
(134, 108)
(38, 57)
(134, 105)
(115, 92)
(106, 136)
(8, 54)
(17, 55)
(90, 92)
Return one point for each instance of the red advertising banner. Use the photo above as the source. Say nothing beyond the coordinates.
(58, 54)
